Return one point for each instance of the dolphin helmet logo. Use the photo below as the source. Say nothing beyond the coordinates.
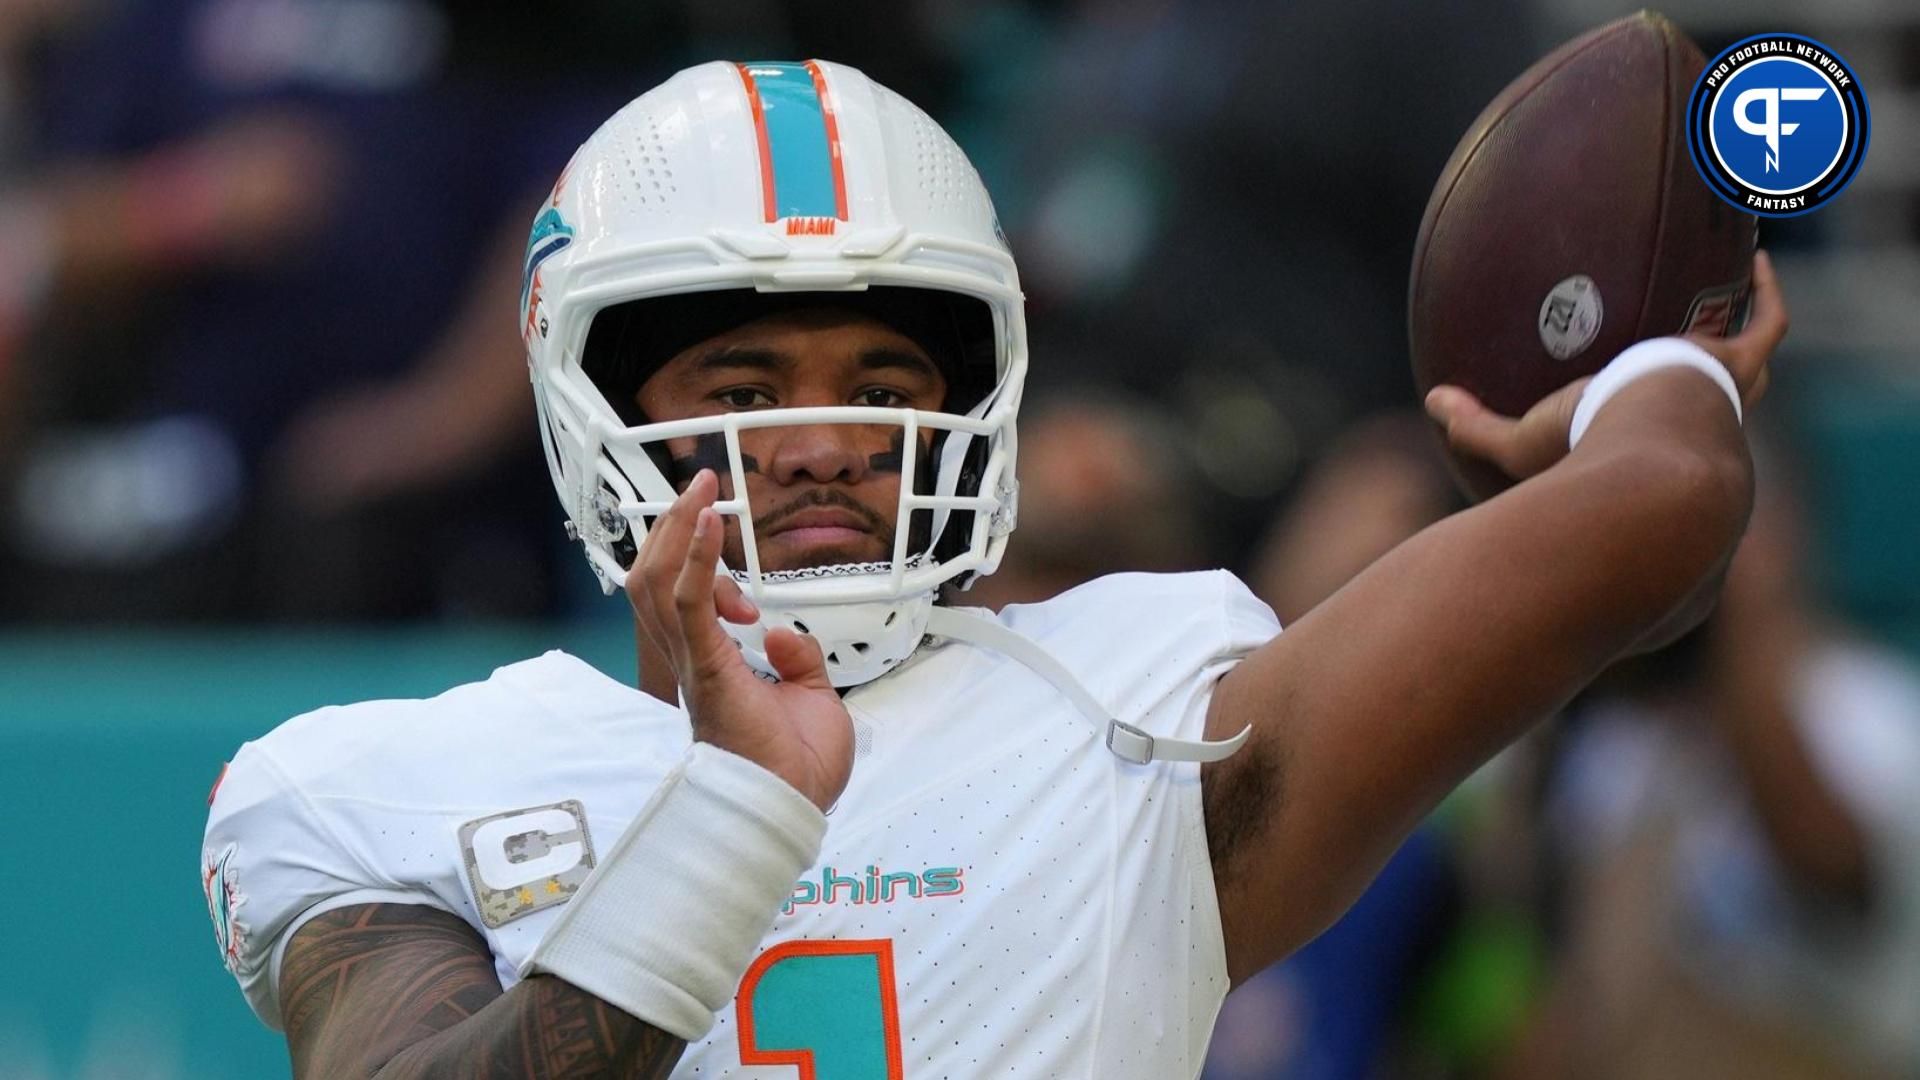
(550, 234)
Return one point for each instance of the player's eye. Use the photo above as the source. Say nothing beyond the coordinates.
(881, 397)
(744, 397)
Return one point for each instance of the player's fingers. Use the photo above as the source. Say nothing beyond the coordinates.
(665, 552)
(640, 598)
(1471, 427)
(705, 644)
(640, 579)
(647, 615)
(644, 618)
(1767, 319)
(797, 658)
(1746, 354)
(732, 602)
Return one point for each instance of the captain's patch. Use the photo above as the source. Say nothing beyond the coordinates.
(521, 861)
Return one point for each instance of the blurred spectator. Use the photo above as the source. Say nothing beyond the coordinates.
(1738, 835)
(26, 28)
(277, 374)
(1103, 487)
(1382, 481)
(1214, 193)
(26, 243)
(1215, 202)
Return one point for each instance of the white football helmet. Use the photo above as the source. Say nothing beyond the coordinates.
(778, 178)
(786, 178)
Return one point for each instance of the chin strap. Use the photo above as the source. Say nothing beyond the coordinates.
(1127, 742)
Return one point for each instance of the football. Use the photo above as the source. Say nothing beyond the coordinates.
(1570, 223)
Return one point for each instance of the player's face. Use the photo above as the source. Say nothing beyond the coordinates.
(821, 493)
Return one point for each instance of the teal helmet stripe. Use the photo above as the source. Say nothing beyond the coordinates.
(801, 164)
(550, 233)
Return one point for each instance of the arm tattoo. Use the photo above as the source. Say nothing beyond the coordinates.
(394, 992)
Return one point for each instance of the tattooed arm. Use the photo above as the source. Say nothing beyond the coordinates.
(391, 991)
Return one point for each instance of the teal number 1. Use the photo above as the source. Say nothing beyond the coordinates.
(827, 1007)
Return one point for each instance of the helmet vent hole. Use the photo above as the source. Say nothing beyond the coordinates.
(801, 627)
(891, 615)
(861, 647)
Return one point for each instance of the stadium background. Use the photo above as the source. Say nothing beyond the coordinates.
(252, 461)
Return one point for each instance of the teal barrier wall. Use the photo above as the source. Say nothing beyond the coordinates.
(108, 746)
(1857, 428)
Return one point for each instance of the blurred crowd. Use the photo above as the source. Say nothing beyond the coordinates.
(257, 365)
(254, 256)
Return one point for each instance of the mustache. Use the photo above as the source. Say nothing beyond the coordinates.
(818, 498)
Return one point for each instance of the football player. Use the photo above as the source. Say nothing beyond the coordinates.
(847, 825)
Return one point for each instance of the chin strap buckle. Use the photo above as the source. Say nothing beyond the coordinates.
(1127, 742)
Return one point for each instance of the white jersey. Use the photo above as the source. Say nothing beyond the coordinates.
(997, 894)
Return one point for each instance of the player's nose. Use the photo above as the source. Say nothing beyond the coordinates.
(823, 453)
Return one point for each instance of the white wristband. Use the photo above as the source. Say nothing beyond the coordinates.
(1644, 359)
(666, 924)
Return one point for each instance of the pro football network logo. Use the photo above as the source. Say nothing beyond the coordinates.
(1777, 125)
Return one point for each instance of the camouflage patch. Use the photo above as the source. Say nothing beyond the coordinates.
(523, 861)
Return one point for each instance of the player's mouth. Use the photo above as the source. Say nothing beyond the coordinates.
(823, 534)
(822, 525)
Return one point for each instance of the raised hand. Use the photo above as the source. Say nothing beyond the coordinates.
(1748, 353)
(797, 728)
(1526, 445)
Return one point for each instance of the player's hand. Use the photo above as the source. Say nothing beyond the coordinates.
(797, 729)
(1748, 353)
(1520, 447)
(1524, 446)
